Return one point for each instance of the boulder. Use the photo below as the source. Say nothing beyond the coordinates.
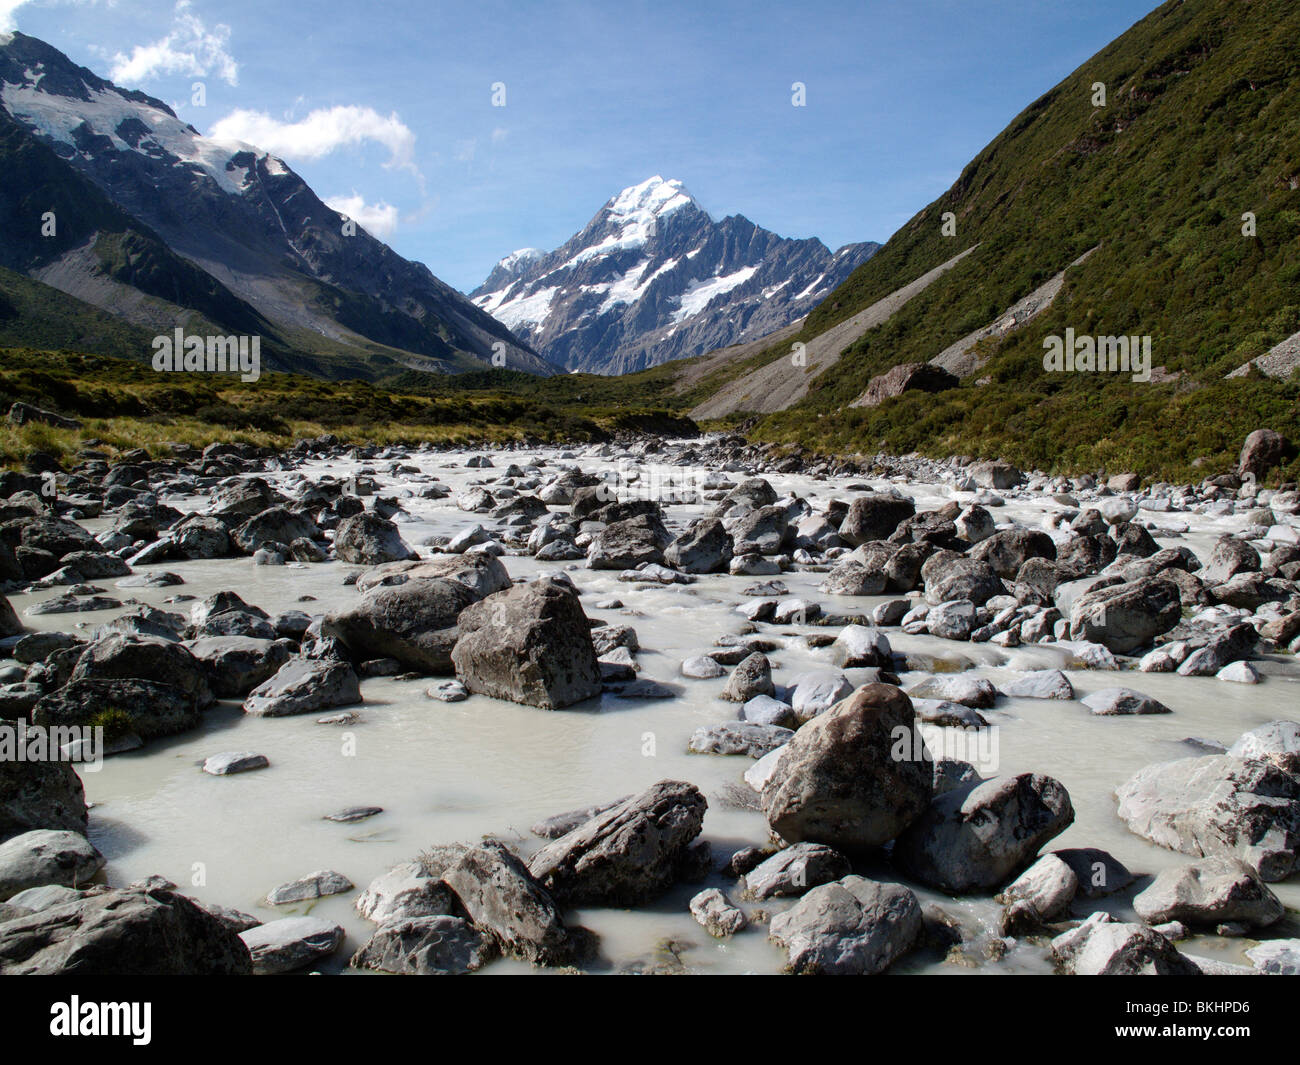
(128, 656)
(627, 855)
(479, 571)
(794, 870)
(1211, 891)
(839, 781)
(1103, 946)
(404, 892)
(738, 737)
(874, 517)
(751, 678)
(369, 540)
(40, 794)
(1218, 805)
(434, 945)
(120, 706)
(850, 927)
(530, 644)
(705, 547)
(1263, 449)
(237, 664)
(46, 856)
(1117, 701)
(716, 914)
(502, 897)
(290, 943)
(276, 525)
(978, 837)
(122, 932)
(414, 623)
(628, 544)
(1126, 617)
(303, 686)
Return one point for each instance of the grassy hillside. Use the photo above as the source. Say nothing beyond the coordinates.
(1201, 125)
(125, 404)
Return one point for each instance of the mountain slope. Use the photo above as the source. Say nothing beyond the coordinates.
(1201, 125)
(653, 278)
(235, 225)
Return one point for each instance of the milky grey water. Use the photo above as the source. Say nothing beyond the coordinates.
(447, 772)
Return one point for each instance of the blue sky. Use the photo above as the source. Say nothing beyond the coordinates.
(390, 105)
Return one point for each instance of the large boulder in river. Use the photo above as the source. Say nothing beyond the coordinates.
(46, 856)
(276, 525)
(39, 794)
(874, 517)
(530, 644)
(1210, 891)
(849, 927)
(478, 571)
(415, 623)
(977, 837)
(125, 655)
(369, 540)
(10, 625)
(1103, 946)
(627, 855)
(501, 896)
(705, 547)
(948, 576)
(1218, 805)
(124, 932)
(844, 780)
(238, 664)
(1008, 550)
(119, 705)
(1126, 617)
(627, 544)
(303, 686)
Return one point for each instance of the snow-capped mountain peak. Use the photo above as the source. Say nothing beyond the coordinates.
(653, 277)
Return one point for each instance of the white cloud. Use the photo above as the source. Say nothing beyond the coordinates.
(190, 49)
(320, 133)
(8, 18)
(499, 135)
(378, 219)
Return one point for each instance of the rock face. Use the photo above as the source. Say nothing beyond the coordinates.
(40, 795)
(1102, 946)
(906, 377)
(125, 932)
(303, 686)
(626, 855)
(850, 927)
(426, 946)
(976, 838)
(1218, 805)
(530, 644)
(414, 622)
(840, 782)
(1211, 891)
(1125, 617)
(369, 540)
(501, 896)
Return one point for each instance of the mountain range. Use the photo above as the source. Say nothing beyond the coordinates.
(111, 202)
(652, 278)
